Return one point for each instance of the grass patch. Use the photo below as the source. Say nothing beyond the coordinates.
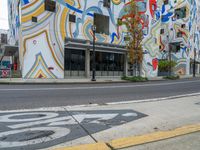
(135, 79)
(172, 77)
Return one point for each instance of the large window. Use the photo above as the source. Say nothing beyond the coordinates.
(102, 23)
(108, 61)
(74, 60)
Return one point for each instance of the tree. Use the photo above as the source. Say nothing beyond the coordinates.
(134, 26)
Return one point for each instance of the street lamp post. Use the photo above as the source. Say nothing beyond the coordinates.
(94, 61)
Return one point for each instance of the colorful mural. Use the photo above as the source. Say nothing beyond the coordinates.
(42, 43)
(14, 21)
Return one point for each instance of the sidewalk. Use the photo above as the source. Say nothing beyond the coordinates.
(185, 142)
(178, 119)
(74, 80)
(59, 81)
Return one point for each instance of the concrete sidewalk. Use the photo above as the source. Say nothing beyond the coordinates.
(185, 142)
(60, 81)
(162, 120)
(74, 80)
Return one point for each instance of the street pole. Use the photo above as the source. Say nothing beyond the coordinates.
(194, 65)
(94, 61)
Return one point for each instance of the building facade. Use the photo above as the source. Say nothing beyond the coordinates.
(55, 37)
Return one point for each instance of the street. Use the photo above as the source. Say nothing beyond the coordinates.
(52, 116)
(52, 95)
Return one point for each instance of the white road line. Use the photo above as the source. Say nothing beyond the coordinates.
(154, 99)
(100, 87)
(64, 108)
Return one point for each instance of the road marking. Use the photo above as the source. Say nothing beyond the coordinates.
(44, 115)
(99, 87)
(58, 133)
(63, 108)
(137, 140)
(24, 130)
(153, 99)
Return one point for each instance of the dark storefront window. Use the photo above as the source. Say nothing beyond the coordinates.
(74, 60)
(108, 61)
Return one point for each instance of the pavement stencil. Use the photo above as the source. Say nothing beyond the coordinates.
(42, 129)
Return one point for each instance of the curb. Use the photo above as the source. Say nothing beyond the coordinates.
(137, 140)
(56, 82)
(52, 81)
(95, 146)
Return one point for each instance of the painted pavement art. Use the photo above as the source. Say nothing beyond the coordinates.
(42, 129)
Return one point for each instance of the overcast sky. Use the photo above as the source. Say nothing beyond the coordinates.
(3, 14)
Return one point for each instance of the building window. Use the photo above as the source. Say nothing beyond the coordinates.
(179, 34)
(180, 13)
(4, 39)
(175, 47)
(106, 3)
(34, 19)
(102, 23)
(50, 5)
(106, 61)
(74, 60)
(162, 31)
(72, 18)
(183, 26)
(166, 2)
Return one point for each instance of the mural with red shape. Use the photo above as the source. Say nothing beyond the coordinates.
(152, 7)
(155, 63)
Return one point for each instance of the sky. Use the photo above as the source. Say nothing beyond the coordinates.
(3, 14)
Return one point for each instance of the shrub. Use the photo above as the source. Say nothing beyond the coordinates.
(165, 65)
(135, 79)
(172, 77)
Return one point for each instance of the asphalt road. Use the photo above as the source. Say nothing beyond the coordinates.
(34, 96)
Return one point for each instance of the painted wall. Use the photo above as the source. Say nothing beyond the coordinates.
(42, 43)
(172, 25)
(14, 21)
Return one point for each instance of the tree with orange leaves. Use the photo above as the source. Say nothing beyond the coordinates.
(132, 21)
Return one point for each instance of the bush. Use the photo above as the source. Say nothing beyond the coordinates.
(135, 79)
(172, 77)
(165, 65)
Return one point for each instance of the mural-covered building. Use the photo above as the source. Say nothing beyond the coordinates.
(55, 37)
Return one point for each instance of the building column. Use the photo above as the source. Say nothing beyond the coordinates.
(87, 63)
(188, 66)
(198, 68)
(125, 64)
